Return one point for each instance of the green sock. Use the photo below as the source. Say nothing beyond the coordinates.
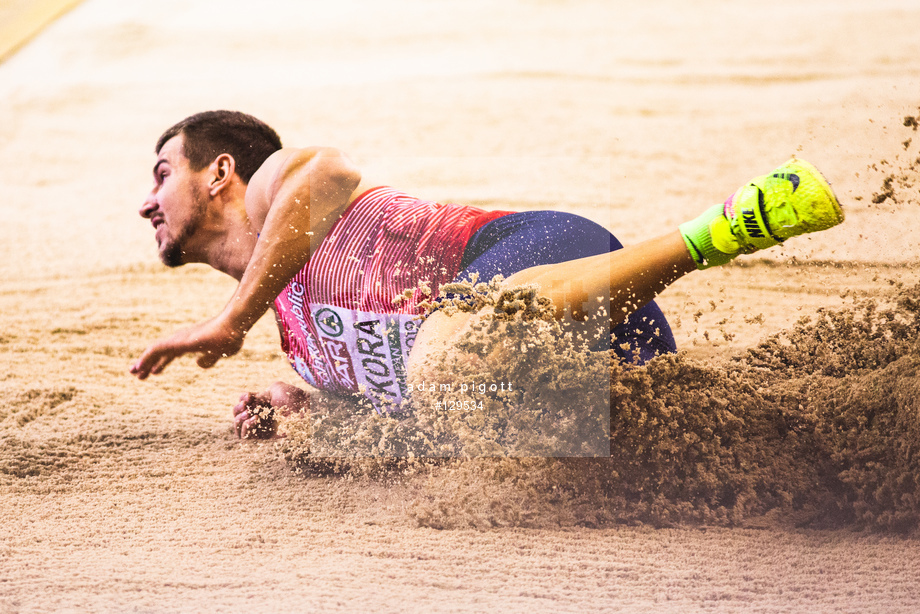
(698, 235)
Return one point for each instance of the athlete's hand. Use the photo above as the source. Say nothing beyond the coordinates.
(255, 416)
(214, 339)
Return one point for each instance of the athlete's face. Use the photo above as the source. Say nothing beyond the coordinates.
(175, 205)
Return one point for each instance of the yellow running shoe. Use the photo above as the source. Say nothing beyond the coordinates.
(792, 200)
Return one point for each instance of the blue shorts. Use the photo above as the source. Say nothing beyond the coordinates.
(519, 241)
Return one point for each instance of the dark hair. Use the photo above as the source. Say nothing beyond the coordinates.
(208, 134)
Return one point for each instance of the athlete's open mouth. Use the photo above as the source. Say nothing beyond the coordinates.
(157, 221)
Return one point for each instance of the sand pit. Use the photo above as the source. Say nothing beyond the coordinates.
(771, 467)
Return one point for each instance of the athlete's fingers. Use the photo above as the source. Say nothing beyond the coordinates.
(264, 399)
(157, 356)
(243, 404)
(238, 422)
(238, 409)
(162, 362)
(251, 402)
(137, 370)
(247, 426)
(141, 368)
(144, 365)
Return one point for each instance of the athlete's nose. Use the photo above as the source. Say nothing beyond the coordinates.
(150, 205)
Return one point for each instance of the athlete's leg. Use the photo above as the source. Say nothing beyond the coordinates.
(536, 239)
(792, 200)
(626, 279)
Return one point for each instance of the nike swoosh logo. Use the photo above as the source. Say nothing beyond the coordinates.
(790, 177)
(698, 256)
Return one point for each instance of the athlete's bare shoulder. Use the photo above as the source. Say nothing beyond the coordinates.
(264, 184)
(291, 171)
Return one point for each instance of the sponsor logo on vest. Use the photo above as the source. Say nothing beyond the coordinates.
(383, 389)
(329, 322)
(750, 223)
(295, 294)
(319, 363)
(337, 352)
(300, 365)
(396, 353)
(295, 297)
(410, 332)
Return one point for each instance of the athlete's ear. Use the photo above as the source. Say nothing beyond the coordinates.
(222, 169)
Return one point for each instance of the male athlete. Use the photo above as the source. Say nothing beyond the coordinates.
(302, 234)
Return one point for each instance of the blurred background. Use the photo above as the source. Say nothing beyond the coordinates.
(637, 115)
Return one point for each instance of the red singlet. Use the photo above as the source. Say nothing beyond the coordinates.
(341, 329)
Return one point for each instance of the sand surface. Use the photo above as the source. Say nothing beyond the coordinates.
(126, 496)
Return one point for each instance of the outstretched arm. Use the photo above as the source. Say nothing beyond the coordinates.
(295, 196)
(308, 192)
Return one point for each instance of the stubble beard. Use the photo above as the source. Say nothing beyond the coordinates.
(172, 253)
